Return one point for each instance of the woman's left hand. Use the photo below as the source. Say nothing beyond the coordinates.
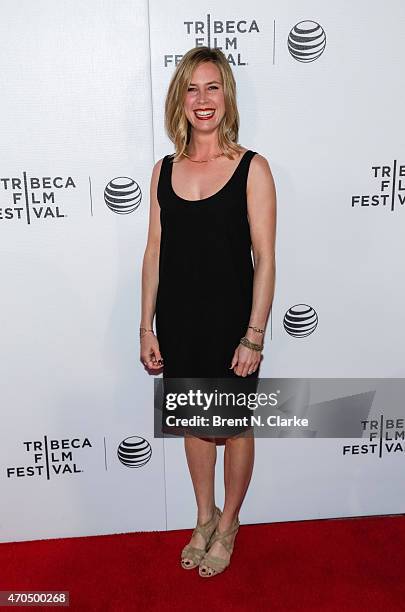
(245, 360)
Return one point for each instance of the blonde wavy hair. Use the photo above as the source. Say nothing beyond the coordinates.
(177, 126)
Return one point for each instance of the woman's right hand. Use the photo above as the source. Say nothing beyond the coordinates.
(150, 353)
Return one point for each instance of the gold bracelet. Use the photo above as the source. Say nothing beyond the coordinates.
(252, 345)
(144, 330)
(257, 329)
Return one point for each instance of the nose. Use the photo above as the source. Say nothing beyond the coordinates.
(201, 96)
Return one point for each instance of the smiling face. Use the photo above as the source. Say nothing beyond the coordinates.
(204, 102)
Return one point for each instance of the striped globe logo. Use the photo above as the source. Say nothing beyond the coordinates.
(122, 195)
(306, 41)
(134, 452)
(300, 320)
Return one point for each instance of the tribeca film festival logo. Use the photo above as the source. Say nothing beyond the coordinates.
(300, 320)
(390, 182)
(384, 436)
(306, 40)
(217, 34)
(33, 198)
(49, 458)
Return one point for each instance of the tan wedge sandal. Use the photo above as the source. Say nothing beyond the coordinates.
(211, 565)
(190, 555)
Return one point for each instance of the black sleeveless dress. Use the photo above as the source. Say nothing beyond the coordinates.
(205, 290)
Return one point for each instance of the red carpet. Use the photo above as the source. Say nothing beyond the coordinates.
(326, 565)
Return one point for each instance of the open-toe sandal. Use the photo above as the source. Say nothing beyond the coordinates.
(211, 565)
(190, 555)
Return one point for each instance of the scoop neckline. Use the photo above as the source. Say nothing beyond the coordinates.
(208, 197)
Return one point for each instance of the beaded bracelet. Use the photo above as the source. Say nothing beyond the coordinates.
(252, 345)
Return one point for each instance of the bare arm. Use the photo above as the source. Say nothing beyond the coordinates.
(150, 273)
(261, 194)
(261, 197)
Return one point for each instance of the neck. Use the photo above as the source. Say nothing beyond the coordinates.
(203, 145)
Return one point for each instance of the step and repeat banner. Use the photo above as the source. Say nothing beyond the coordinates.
(82, 124)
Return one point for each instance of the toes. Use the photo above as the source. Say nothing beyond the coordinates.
(205, 571)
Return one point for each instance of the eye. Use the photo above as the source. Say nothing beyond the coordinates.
(191, 88)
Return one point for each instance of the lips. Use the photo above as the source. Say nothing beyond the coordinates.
(204, 113)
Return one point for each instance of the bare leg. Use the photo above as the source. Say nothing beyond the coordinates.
(238, 468)
(201, 458)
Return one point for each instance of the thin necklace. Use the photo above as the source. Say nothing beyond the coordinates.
(200, 161)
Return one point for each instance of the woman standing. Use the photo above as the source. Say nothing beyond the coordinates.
(212, 203)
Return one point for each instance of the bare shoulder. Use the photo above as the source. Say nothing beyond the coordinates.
(156, 168)
(260, 163)
(260, 174)
(154, 179)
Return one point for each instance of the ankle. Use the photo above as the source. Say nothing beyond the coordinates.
(205, 514)
(228, 519)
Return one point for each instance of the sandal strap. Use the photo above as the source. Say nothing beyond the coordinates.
(192, 553)
(215, 563)
(206, 529)
(220, 536)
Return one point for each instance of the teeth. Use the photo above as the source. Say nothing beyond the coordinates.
(204, 113)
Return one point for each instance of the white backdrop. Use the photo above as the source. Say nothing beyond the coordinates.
(82, 125)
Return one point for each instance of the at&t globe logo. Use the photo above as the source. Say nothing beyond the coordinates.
(306, 41)
(300, 320)
(122, 195)
(134, 452)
